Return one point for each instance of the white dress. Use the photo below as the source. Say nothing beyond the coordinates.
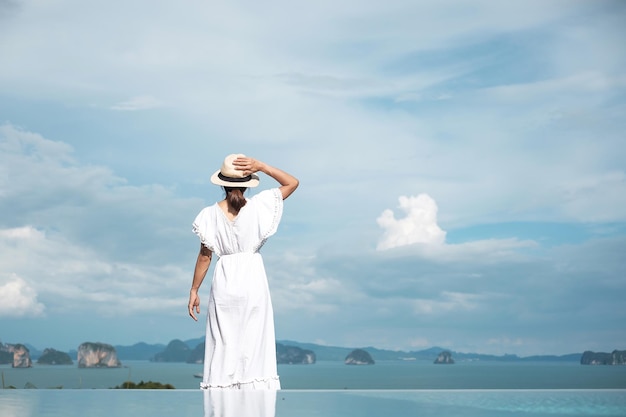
(240, 347)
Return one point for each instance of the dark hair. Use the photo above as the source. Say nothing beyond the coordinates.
(235, 198)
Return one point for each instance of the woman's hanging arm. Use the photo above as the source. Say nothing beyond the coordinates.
(202, 266)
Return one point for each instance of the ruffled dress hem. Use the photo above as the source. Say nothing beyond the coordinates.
(256, 384)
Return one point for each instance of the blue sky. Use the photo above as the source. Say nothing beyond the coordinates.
(462, 167)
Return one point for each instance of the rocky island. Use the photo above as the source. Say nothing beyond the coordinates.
(294, 355)
(97, 355)
(445, 358)
(54, 357)
(17, 355)
(176, 351)
(617, 357)
(21, 356)
(359, 357)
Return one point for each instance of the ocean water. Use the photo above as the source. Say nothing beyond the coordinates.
(326, 389)
(384, 375)
(313, 403)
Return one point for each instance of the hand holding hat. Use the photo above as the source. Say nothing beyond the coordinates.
(240, 174)
(247, 165)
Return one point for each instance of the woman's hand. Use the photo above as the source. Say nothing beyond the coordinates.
(194, 302)
(248, 165)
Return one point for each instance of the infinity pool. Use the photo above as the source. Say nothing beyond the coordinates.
(299, 403)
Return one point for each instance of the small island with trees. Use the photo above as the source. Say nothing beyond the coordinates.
(359, 357)
(444, 358)
(617, 357)
(54, 357)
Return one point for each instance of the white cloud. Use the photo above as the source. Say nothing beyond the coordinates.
(581, 83)
(595, 198)
(447, 302)
(77, 233)
(420, 342)
(18, 298)
(32, 146)
(298, 286)
(505, 342)
(50, 190)
(418, 226)
(418, 234)
(72, 278)
(477, 251)
(21, 233)
(138, 103)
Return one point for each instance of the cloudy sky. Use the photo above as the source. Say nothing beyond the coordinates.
(462, 168)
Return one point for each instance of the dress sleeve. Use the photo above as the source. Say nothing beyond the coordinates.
(269, 207)
(204, 227)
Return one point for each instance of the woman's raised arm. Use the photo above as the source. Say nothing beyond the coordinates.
(288, 183)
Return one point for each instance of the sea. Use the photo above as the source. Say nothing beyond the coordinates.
(325, 389)
(333, 375)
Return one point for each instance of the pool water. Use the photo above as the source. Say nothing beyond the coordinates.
(317, 403)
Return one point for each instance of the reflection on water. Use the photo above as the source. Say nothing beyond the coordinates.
(239, 403)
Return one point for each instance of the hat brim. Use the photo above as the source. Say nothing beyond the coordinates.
(253, 182)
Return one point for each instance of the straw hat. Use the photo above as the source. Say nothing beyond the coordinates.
(228, 176)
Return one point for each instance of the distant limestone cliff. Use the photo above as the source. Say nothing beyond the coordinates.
(54, 357)
(97, 355)
(359, 357)
(21, 356)
(617, 357)
(176, 351)
(294, 355)
(445, 358)
(17, 355)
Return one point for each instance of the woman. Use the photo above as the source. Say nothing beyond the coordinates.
(240, 350)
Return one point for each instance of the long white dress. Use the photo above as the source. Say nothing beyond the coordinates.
(240, 347)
